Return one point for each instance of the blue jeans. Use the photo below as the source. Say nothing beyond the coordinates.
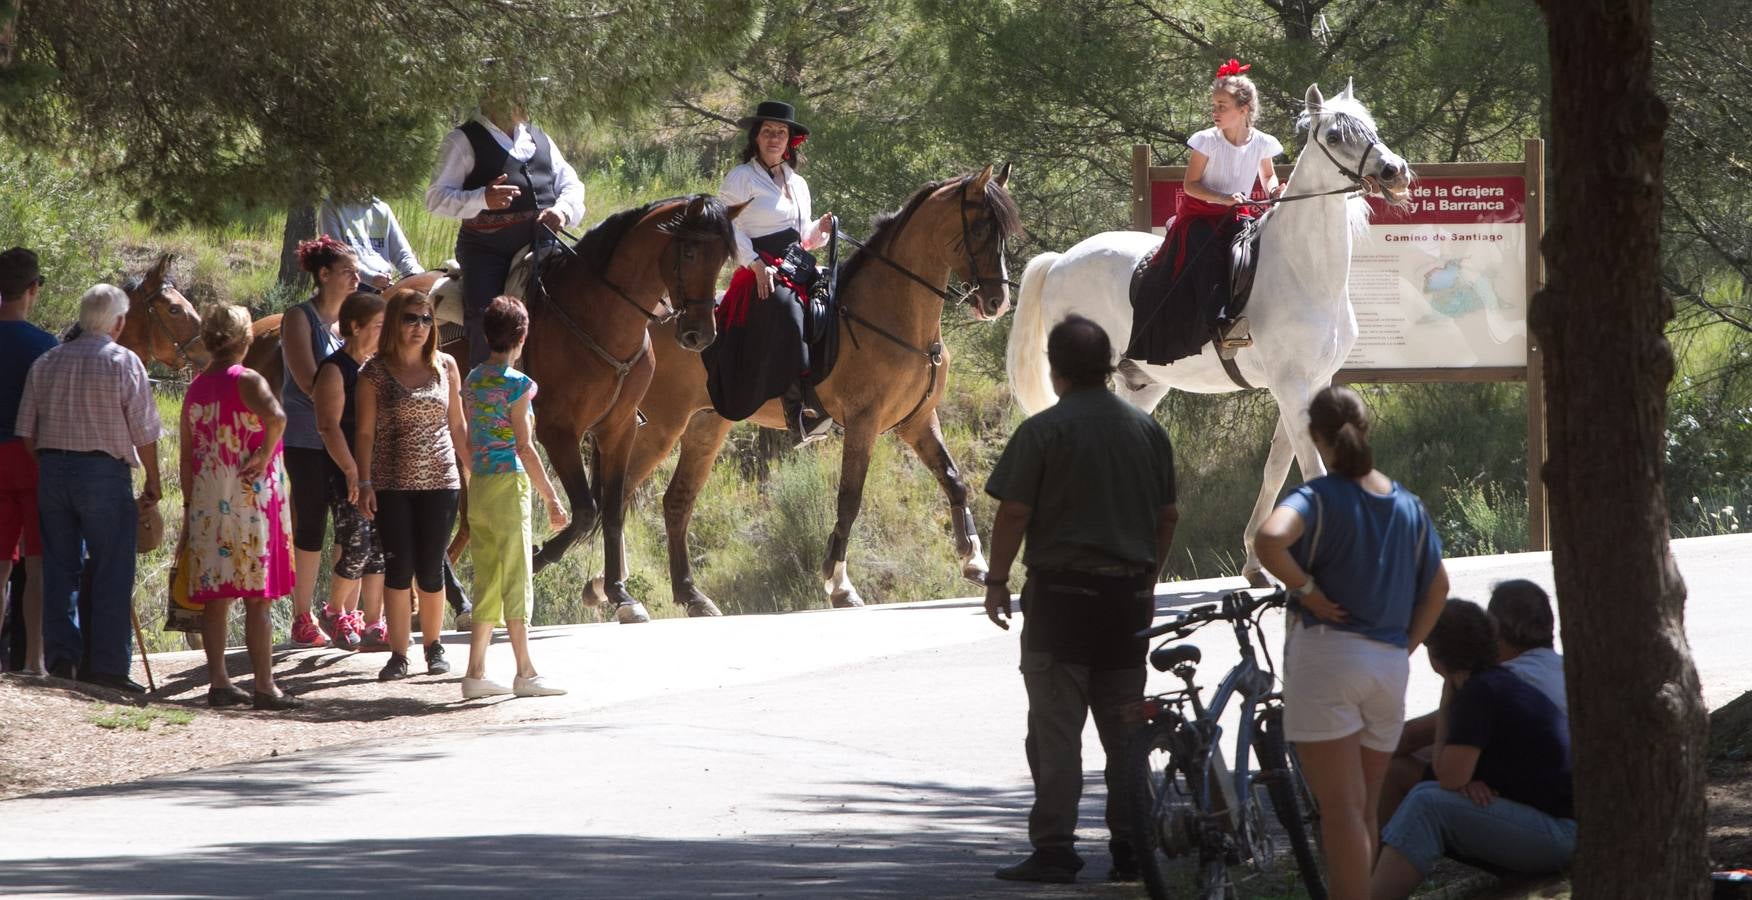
(1433, 822)
(86, 505)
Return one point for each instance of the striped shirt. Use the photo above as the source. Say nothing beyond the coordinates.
(89, 394)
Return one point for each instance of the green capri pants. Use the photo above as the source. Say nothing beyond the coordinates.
(501, 540)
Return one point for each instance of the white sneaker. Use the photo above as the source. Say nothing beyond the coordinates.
(535, 687)
(476, 688)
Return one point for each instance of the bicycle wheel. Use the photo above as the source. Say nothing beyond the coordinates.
(1168, 831)
(1291, 800)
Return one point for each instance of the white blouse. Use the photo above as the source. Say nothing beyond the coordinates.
(1230, 169)
(769, 208)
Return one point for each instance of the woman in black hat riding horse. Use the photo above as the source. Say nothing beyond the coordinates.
(762, 302)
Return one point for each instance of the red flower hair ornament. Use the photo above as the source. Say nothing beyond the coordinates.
(797, 140)
(1232, 67)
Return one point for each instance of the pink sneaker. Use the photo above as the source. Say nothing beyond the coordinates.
(376, 635)
(344, 631)
(305, 633)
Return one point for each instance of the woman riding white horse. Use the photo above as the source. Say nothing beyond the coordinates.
(1302, 323)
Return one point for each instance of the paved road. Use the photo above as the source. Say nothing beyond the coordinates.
(835, 754)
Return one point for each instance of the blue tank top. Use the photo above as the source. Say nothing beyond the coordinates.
(300, 409)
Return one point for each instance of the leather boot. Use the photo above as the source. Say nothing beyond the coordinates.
(807, 424)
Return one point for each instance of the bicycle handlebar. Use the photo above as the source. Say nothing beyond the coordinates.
(1235, 605)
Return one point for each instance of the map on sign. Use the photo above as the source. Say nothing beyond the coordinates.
(1452, 290)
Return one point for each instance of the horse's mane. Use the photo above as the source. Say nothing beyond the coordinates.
(597, 246)
(1354, 124)
(999, 205)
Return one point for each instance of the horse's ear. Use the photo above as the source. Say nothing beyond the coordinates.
(696, 207)
(155, 276)
(1004, 175)
(731, 212)
(1350, 85)
(977, 185)
(1314, 98)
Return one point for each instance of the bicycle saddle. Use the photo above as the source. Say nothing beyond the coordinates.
(1165, 658)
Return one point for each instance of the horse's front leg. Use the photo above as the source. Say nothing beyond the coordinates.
(1277, 468)
(700, 444)
(854, 467)
(926, 440)
(560, 437)
(614, 451)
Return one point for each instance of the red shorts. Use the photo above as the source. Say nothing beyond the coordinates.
(18, 502)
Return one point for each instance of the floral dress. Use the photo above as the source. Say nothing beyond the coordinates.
(239, 532)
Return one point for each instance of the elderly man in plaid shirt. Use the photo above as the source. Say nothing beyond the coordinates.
(88, 413)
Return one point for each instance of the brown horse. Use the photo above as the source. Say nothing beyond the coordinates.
(889, 377)
(590, 349)
(161, 324)
(264, 354)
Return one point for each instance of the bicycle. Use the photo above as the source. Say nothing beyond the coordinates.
(1190, 809)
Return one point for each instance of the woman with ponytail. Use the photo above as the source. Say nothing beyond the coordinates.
(1363, 565)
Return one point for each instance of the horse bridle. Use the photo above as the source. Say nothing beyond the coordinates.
(967, 246)
(623, 367)
(1356, 175)
(182, 352)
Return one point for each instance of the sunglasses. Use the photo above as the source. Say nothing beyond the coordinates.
(417, 319)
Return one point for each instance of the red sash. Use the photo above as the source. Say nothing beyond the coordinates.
(1192, 209)
(732, 311)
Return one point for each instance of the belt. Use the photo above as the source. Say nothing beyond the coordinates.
(493, 221)
(55, 451)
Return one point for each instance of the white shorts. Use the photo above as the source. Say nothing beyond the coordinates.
(1337, 683)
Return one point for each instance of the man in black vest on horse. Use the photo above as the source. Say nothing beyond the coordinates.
(504, 178)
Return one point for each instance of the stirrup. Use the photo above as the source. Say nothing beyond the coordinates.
(1233, 337)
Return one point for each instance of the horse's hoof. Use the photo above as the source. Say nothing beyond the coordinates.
(594, 593)
(701, 607)
(1256, 578)
(847, 599)
(631, 612)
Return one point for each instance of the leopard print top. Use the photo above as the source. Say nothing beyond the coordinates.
(412, 450)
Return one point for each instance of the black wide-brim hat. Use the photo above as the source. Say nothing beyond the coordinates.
(774, 111)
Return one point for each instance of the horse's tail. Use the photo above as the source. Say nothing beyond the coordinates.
(1030, 379)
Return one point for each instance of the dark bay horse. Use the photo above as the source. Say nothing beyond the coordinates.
(890, 374)
(590, 350)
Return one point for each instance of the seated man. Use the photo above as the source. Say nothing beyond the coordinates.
(1504, 797)
(1525, 634)
(371, 230)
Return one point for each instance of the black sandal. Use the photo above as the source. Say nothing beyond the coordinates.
(230, 695)
(281, 701)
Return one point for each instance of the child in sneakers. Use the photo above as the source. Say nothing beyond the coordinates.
(503, 465)
(358, 571)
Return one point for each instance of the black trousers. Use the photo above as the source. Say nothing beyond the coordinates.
(486, 258)
(415, 528)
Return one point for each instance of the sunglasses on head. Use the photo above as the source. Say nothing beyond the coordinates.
(417, 319)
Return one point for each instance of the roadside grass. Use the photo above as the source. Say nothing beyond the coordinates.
(137, 718)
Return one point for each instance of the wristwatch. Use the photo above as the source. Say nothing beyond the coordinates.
(1297, 593)
(994, 581)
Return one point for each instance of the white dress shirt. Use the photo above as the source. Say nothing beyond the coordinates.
(770, 207)
(445, 196)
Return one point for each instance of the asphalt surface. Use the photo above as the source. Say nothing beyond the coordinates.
(832, 754)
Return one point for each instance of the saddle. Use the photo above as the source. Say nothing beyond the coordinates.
(1152, 285)
(447, 291)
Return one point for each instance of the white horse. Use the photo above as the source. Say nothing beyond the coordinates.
(1302, 322)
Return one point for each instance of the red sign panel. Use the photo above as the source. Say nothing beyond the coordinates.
(1435, 201)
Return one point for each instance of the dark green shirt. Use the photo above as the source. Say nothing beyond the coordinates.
(1096, 471)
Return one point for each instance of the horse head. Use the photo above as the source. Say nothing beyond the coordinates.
(161, 324)
(988, 218)
(700, 241)
(1342, 129)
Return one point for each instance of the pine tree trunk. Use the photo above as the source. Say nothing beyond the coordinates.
(300, 226)
(1638, 724)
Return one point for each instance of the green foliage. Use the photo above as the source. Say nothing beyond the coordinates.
(55, 212)
(265, 104)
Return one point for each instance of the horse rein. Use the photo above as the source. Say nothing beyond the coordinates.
(1357, 178)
